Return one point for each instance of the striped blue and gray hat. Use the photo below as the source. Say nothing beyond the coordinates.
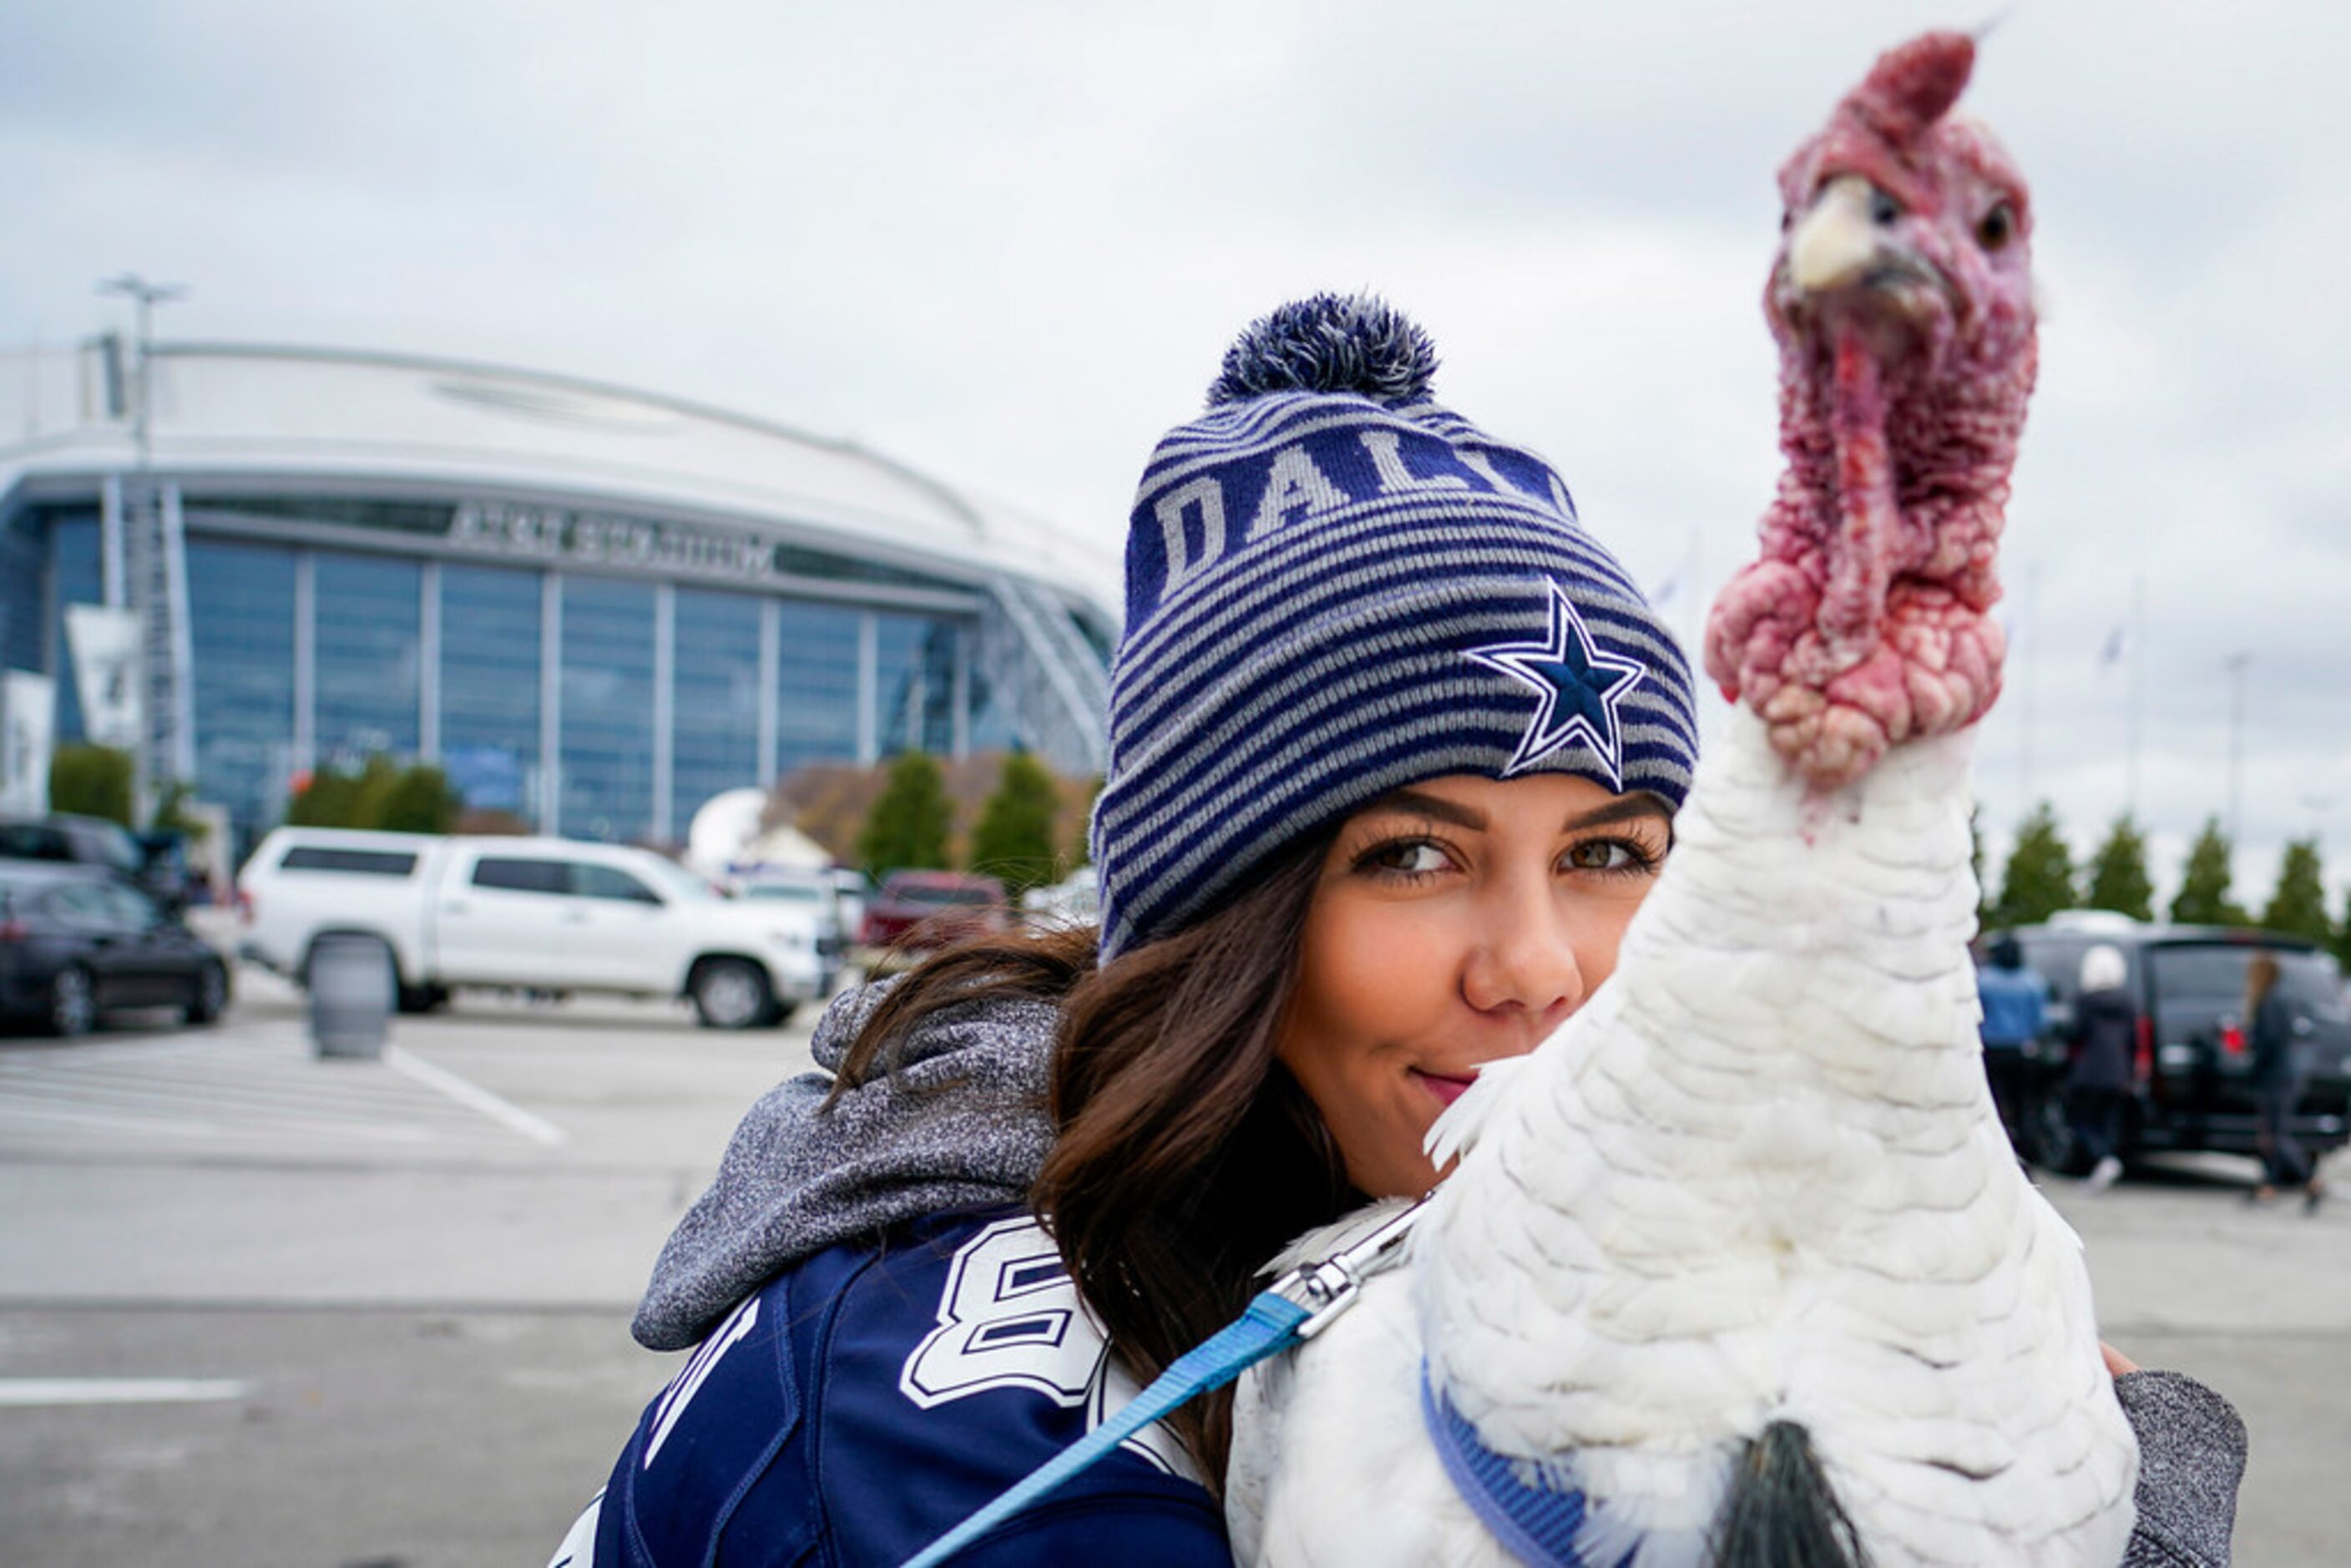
(1334, 586)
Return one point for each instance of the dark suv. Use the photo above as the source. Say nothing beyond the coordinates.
(2194, 1089)
(63, 838)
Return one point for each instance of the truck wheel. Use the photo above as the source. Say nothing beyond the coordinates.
(731, 993)
(422, 998)
(73, 1004)
(208, 999)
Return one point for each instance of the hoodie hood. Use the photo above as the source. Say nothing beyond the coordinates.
(959, 1122)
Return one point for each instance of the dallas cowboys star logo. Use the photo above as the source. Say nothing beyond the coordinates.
(1579, 684)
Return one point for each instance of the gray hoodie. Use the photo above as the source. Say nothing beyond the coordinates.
(961, 1124)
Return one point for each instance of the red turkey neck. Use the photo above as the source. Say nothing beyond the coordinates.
(1853, 600)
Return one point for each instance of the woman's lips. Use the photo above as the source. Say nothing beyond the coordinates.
(1448, 1090)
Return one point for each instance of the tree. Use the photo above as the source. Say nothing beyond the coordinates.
(2039, 880)
(2343, 937)
(329, 798)
(1082, 849)
(416, 800)
(91, 781)
(1976, 866)
(908, 825)
(2117, 872)
(170, 814)
(2203, 898)
(2298, 906)
(1014, 839)
(412, 797)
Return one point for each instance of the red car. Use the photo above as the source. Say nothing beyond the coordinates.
(943, 905)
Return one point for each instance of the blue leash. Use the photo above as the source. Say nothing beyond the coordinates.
(1294, 1308)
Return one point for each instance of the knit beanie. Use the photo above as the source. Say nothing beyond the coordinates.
(1334, 588)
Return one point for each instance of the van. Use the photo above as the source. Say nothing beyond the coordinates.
(2193, 1068)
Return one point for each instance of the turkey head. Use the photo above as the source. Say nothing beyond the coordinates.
(1901, 300)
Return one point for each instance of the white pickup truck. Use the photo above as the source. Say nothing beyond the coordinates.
(540, 915)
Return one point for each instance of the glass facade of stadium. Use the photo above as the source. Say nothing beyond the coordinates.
(595, 677)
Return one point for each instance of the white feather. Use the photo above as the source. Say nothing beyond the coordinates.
(1457, 1126)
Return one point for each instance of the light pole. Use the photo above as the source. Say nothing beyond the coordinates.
(2032, 670)
(2136, 647)
(142, 540)
(146, 296)
(2236, 663)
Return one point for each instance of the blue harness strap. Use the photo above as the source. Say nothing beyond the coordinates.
(1293, 1308)
(1537, 1523)
(1269, 1326)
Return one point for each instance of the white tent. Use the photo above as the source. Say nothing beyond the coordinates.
(725, 834)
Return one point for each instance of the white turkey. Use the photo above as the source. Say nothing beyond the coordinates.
(1738, 1267)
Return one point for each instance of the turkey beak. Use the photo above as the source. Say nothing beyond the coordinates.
(1837, 242)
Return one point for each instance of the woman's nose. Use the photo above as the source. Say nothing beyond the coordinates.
(1524, 961)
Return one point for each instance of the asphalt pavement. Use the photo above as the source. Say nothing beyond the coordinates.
(259, 1308)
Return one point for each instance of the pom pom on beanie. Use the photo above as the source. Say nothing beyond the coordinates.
(1331, 343)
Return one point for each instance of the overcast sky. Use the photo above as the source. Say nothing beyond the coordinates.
(1008, 242)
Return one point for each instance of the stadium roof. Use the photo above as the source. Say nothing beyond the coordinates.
(344, 418)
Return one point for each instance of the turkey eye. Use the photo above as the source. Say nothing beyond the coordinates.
(1998, 226)
(1883, 209)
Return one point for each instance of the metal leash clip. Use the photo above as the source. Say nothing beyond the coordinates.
(1328, 1287)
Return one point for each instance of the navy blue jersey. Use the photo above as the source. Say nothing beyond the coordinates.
(865, 1402)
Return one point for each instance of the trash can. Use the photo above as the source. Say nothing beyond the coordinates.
(351, 996)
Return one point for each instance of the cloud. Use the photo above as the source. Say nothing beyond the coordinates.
(1009, 243)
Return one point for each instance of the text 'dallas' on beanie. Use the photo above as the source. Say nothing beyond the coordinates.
(1334, 588)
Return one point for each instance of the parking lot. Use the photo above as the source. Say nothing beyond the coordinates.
(259, 1308)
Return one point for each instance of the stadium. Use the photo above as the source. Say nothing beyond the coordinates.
(594, 608)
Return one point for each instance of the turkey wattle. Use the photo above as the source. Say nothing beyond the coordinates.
(1738, 1266)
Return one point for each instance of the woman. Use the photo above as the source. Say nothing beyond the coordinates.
(2277, 1087)
(1395, 748)
(2102, 1035)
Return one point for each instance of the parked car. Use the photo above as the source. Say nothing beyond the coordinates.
(152, 864)
(854, 890)
(544, 914)
(2194, 1089)
(814, 891)
(917, 910)
(1075, 899)
(77, 942)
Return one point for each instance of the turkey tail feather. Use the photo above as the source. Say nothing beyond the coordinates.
(1781, 1512)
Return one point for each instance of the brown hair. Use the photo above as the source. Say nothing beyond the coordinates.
(2260, 974)
(1185, 1154)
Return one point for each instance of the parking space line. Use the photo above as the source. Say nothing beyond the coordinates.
(134, 1113)
(44, 1057)
(258, 1094)
(535, 1128)
(268, 1087)
(135, 1123)
(18, 1393)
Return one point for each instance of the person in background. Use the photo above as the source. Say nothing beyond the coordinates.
(2098, 1082)
(2015, 1009)
(2277, 1087)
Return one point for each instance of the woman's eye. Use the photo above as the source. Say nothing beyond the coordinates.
(1412, 857)
(1609, 854)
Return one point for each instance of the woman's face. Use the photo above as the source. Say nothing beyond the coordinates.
(1454, 923)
